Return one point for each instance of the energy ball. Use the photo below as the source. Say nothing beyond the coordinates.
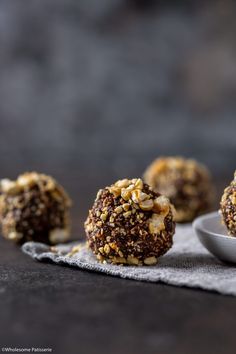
(185, 182)
(228, 207)
(34, 208)
(130, 224)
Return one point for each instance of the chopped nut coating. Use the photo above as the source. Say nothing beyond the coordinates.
(34, 208)
(138, 228)
(228, 207)
(185, 182)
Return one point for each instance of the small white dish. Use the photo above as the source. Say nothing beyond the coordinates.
(214, 237)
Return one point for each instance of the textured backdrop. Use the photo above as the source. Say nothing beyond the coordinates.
(94, 90)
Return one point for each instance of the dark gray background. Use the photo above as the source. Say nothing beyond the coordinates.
(91, 91)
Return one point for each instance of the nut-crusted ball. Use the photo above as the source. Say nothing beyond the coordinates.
(185, 182)
(130, 224)
(228, 207)
(34, 208)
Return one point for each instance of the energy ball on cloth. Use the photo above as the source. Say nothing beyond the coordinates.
(228, 207)
(185, 182)
(34, 208)
(130, 224)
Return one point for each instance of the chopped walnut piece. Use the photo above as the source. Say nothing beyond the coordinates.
(150, 260)
(122, 183)
(107, 249)
(146, 204)
(161, 205)
(132, 260)
(156, 224)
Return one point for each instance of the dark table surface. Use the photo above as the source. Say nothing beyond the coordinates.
(75, 311)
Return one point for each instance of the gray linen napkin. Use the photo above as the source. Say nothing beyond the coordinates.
(186, 264)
